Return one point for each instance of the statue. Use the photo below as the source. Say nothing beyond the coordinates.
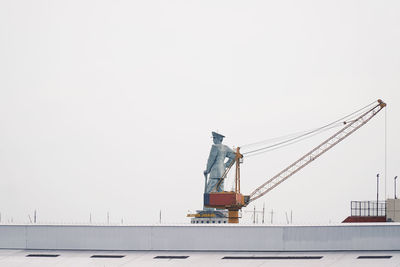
(216, 164)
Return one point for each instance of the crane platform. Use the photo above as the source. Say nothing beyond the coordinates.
(232, 201)
(224, 200)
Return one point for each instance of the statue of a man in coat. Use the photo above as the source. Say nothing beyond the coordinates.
(216, 164)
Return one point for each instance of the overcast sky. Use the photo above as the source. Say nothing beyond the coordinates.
(108, 106)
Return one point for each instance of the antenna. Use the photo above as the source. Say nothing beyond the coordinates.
(34, 217)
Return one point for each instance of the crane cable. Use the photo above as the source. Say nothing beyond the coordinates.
(302, 135)
(287, 143)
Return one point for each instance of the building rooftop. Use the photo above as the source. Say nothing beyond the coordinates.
(43, 258)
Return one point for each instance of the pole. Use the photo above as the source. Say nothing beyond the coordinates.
(254, 215)
(395, 180)
(263, 217)
(377, 194)
(385, 151)
(272, 216)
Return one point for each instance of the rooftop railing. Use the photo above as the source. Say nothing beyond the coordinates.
(368, 208)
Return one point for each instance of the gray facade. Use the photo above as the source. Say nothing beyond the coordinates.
(379, 236)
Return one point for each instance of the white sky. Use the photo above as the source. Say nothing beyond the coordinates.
(109, 105)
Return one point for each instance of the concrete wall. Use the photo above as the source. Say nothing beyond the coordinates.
(384, 236)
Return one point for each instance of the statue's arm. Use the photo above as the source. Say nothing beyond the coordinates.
(231, 155)
(211, 159)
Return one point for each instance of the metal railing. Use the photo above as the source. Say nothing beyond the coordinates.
(368, 208)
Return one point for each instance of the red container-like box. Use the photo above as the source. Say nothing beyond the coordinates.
(223, 200)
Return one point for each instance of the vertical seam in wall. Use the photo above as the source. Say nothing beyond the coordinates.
(284, 237)
(26, 236)
(151, 237)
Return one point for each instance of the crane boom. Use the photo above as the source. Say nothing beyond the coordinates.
(349, 128)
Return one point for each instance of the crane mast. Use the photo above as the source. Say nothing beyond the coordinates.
(350, 127)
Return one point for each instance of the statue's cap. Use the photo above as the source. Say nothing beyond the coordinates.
(214, 134)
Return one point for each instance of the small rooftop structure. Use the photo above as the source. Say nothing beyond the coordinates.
(373, 211)
(209, 217)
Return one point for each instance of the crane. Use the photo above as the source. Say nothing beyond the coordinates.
(234, 201)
